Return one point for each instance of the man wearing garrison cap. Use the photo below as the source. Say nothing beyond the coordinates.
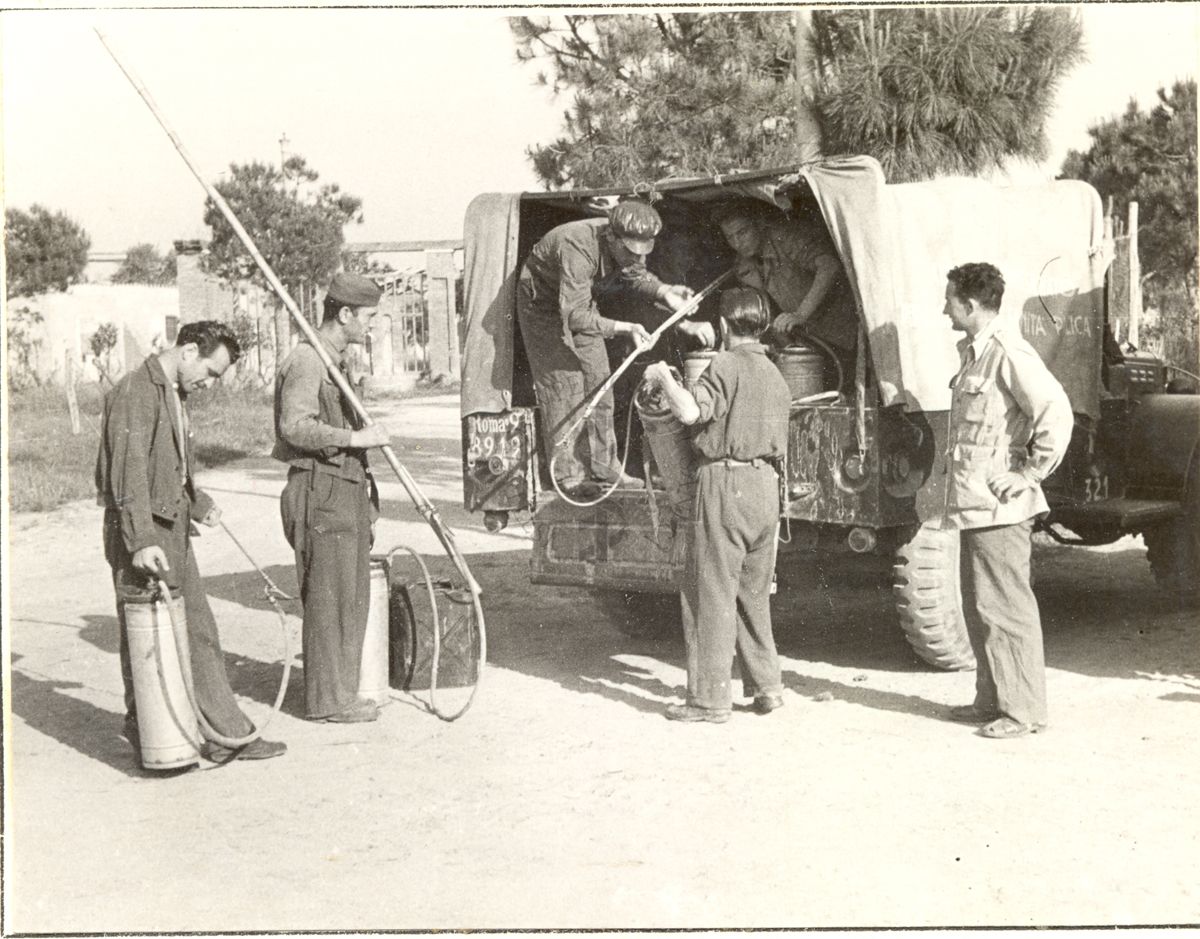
(330, 503)
(567, 272)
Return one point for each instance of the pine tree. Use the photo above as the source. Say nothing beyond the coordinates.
(940, 91)
(661, 95)
(1149, 157)
(925, 91)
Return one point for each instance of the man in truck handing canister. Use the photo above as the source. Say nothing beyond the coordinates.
(1010, 423)
(569, 270)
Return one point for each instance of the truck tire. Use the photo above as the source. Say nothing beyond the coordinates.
(928, 604)
(1173, 548)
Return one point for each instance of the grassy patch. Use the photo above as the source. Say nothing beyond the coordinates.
(48, 465)
(232, 423)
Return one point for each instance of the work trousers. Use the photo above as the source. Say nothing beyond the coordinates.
(1003, 622)
(566, 366)
(726, 595)
(214, 696)
(327, 521)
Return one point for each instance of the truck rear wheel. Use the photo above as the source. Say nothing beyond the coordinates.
(1173, 548)
(928, 603)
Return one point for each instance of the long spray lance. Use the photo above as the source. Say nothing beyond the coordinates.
(422, 504)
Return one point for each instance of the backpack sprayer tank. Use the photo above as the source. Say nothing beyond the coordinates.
(373, 667)
(167, 727)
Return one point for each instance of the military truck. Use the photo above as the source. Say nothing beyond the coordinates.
(863, 473)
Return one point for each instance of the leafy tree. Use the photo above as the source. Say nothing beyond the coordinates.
(924, 91)
(102, 342)
(1149, 157)
(22, 331)
(360, 262)
(44, 251)
(144, 265)
(295, 222)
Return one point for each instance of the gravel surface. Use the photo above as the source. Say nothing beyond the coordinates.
(563, 798)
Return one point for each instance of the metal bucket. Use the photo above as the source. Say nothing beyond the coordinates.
(373, 667)
(671, 444)
(696, 364)
(803, 368)
(167, 728)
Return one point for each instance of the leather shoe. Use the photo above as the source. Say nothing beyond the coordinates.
(621, 481)
(766, 703)
(692, 713)
(969, 714)
(359, 713)
(583, 491)
(257, 749)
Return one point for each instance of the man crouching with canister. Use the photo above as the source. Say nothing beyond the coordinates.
(740, 406)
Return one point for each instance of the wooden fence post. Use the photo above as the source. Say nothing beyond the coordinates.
(72, 401)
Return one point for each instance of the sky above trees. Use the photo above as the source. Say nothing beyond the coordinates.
(414, 111)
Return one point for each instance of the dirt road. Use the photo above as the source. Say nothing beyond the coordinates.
(564, 799)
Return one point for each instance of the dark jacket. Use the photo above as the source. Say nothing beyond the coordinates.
(571, 269)
(140, 466)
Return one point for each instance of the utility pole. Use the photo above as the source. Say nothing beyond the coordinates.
(808, 132)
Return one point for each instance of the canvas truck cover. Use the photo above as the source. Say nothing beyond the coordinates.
(897, 242)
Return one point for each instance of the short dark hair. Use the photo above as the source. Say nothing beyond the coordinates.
(745, 209)
(332, 307)
(207, 335)
(746, 310)
(980, 282)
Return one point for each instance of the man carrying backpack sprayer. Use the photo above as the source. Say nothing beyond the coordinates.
(1010, 424)
(739, 407)
(145, 480)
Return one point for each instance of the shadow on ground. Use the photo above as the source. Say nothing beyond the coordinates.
(47, 705)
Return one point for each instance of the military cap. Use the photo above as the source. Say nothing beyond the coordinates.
(353, 290)
(636, 224)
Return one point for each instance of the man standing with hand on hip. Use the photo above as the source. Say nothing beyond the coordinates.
(144, 479)
(1010, 424)
(330, 504)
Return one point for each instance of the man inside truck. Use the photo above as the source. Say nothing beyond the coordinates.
(794, 262)
(568, 272)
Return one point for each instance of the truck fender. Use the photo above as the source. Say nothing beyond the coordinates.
(1164, 433)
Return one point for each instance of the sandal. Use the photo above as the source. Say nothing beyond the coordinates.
(1005, 727)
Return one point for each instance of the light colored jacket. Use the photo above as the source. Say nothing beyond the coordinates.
(1007, 413)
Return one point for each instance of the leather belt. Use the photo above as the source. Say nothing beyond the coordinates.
(730, 461)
